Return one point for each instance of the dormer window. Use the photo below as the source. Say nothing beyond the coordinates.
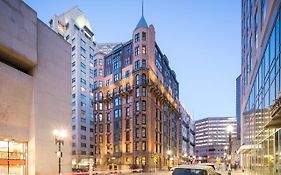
(137, 37)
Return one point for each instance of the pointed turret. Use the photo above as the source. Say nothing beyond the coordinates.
(142, 21)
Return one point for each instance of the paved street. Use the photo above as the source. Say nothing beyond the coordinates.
(238, 172)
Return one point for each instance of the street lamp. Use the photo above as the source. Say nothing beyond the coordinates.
(169, 153)
(59, 136)
(229, 130)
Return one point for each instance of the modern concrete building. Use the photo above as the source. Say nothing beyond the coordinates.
(212, 139)
(187, 136)
(238, 107)
(34, 92)
(136, 110)
(87, 70)
(260, 81)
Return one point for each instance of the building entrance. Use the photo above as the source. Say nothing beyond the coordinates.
(13, 157)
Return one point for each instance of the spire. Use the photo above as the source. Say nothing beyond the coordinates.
(142, 21)
(142, 8)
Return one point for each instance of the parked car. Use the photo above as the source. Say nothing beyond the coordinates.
(208, 164)
(194, 170)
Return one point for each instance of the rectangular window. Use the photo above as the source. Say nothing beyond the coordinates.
(137, 106)
(137, 37)
(128, 112)
(137, 132)
(82, 42)
(116, 64)
(128, 61)
(143, 49)
(137, 64)
(143, 132)
(83, 104)
(143, 36)
(144, 105)
(100, 62)
(127, 99)
(91, 65)
(137, 50)
(143, 63)
(83, 128)
(137, 92)
(83, 97)
(91, 49)
(100, 72)
(108, 117)
(143, 91)
(73, 64)
(83, 81)
(116, 77)
(83, 65)
(83, 137)
(127, 74)
(91, 57)
(82, 50)
(143, 119)
(83, 74)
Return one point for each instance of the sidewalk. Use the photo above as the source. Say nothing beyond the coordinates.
(237, 172)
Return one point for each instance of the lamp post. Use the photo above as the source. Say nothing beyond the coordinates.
(59, 136)
(169, 153)
(229, 131)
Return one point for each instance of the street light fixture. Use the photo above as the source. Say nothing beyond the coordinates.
(229, 130)
(59, 140)
(169, 153)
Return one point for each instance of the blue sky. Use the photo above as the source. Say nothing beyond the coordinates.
(201, 38)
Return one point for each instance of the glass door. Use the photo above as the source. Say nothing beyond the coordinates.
(13, 157)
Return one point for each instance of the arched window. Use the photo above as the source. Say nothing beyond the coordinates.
(137, 79)
(100, 95)
(143, 77)
(128, 87)
(108, 94)
(120, 89)
(114, 91)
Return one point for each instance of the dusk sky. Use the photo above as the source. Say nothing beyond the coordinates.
(201, 39)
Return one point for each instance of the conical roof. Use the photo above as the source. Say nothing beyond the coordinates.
(142, 23)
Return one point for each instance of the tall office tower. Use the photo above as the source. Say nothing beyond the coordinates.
(75, 28)
(260, 97)
(212, 138)
(136, 110)
(238, 108)
(187, 136)
(34, 92)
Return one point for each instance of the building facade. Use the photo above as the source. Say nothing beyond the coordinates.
(86, 71)
(187, 136)
(260, 81)
(34, 91)
(238, 108)
(105, 47)
(136, 111)
(75, 28)
(212, 139)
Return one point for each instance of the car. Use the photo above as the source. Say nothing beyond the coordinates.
(194, 170)
(208, 164)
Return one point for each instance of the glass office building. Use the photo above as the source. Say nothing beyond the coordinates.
(260, 105)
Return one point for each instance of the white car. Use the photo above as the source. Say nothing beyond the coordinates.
(194, 170)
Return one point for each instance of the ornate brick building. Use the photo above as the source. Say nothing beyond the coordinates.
(136, 108)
